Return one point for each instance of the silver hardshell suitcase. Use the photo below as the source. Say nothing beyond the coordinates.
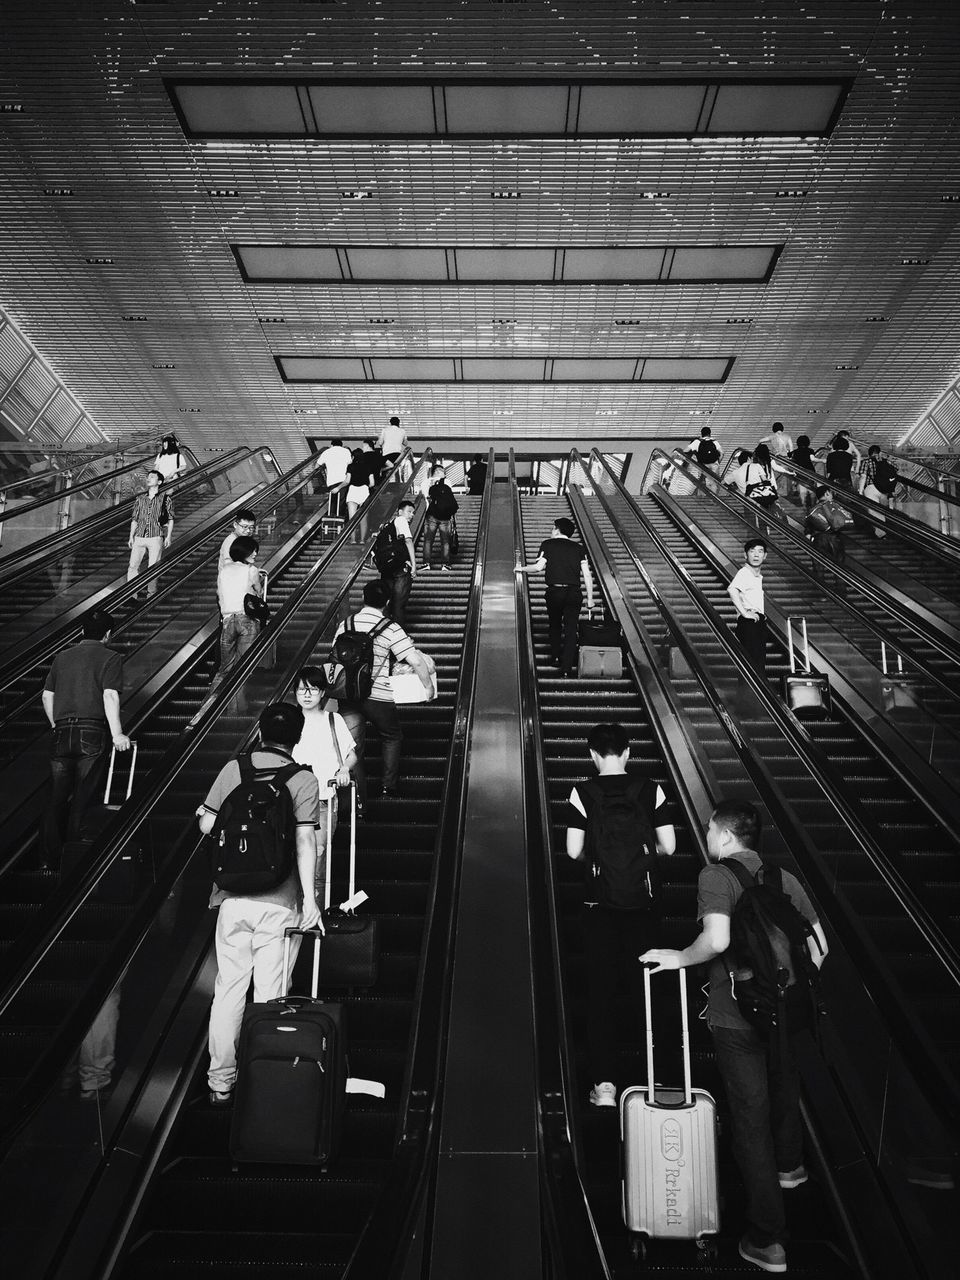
(669, 1145)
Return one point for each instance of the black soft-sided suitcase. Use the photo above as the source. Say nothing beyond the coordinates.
(350, 956)
(599, 632)
(291, 1086)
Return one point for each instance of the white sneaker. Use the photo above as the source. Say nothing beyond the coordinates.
(603, 1095)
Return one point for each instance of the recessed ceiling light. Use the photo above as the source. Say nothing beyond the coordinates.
(58, 191)
(159, 365)
(271, 319)
(847, 366)
(740, 320)
(382, 320)
(623, 324)
(99, 262)
(503, 413)
(11, 108)
(356, 195)
(914, 262)
(876, 319)
(655, 195)
(188, 411)
(137, 319)
(225, 193)
(814, 411)
(698, 413)
(504, 322)
(791, 193)
(505, 195)
(607, 413)
(950, 199)
(310, 412)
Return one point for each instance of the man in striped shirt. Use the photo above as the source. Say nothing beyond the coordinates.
(391, 642)
(151, 528)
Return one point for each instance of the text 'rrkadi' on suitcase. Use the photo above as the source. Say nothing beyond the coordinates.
(669, 1151)
(805, 692)
(291, 1086)
(600, 648)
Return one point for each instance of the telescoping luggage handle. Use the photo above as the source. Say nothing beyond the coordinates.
(806, 646)
(684, 1033)
(353, 898)
(133, 769)
(883, 656)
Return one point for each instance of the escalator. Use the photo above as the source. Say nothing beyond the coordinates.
(567, 711)
(85, 566)
(199, 1214)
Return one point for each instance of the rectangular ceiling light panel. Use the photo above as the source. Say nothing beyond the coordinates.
(438, 264)
(576, 108)
(529, 370)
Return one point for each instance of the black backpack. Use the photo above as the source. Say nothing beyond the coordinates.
(256, 831)
(442, 501)
(353, 675)
(886, 476)
(389, 550)
(774, 980)
(707, 452)
(621, 846)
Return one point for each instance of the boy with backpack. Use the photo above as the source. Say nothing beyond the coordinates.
(396, 560)
(708, 453)
(364, 648)
(617, 825)
(442, 507)
(764, 945)
(262, 812)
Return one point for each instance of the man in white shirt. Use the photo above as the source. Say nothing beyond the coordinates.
(746, 592)
(244, 526)
(392, 441)
(238, 633)
(335, 459)
(708, 452)
(390, 643)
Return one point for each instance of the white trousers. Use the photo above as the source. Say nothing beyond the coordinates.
(152, 548)
(249, 944)
(873, 493)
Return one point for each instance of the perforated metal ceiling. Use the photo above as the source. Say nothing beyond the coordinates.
(117, 228)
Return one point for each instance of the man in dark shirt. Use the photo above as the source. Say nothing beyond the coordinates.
(762, 1088)
(476, 477)
(614, 934)
(562, 562)
(81, 699)
(839, 465)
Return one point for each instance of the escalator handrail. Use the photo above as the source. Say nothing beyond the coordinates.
(38, 555)
(29, 950)
(70, 624)
(569, 1225)
(912, 1041)
(916, 460)
(381, 1252)
(71, 490)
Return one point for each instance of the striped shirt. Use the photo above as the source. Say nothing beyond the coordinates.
(392, 639)
(146, 515)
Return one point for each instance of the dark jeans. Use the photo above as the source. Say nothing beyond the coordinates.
(763, 1095)
(238, 633)
(753, 637)
(612, 942)
(563, 610)
(430, 530)
(399, 587)
(77, 766)
(383, 716)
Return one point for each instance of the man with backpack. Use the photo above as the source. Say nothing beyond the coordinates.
(442, 507)
(708, 453)
(764, 945)
(396, 559)
(617, 824)
(878, 482)
(364, 648)
(262, 812)
(562, 561)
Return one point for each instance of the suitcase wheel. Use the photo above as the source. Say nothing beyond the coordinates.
(638, 1249)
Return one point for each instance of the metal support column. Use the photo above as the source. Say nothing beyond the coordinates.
(486, 1219)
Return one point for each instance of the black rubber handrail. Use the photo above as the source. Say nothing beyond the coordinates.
(569, 1225)
(382, 1251)
(40, 554)
(912, 1041)
(28, 952)
(71, 489)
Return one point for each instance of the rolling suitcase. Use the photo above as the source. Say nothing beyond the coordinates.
(669, 1151)
(601, 647)
(350, 956)
(121, 885)
(291, 1086)
(805, 693)
(898, 692)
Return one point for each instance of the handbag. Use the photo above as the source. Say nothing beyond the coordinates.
(454, 537)
(406, 685)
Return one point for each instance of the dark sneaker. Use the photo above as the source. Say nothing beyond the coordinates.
(221, 1099)
(770, 1257)
(792, 1178)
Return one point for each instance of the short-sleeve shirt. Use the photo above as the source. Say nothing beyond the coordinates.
(803, 457)
(316, 748)
(234, 581)
(840, 465)
(335, 459)
(78, 677)
(305, 794)
(751, 585)
(563, 557)
(170, 465)
(391, 639)
(738, 478)
(717, 892)
(392, 439)
(146, 514)
(661, 811)
(780, 444)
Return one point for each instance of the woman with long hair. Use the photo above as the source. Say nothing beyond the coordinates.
(759, 481)
(169, 461)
